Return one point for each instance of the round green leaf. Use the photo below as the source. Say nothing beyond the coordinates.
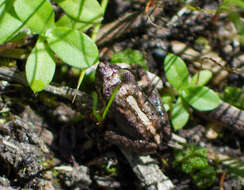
(73, 47)
(40, 67)
(180, 114)
(176, 71)
(202, 78)
(9, 27)
(38, 15)
(201, 98)
(66, 21)
(87, 11)
(9, 23)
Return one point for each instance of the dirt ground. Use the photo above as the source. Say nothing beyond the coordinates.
(48, 142)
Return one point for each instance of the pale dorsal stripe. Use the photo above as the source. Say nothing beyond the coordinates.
(142, 116)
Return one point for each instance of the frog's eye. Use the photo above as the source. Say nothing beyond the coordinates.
(126, 77)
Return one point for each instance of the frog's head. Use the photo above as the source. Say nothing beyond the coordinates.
(110, 76)
(107, 78)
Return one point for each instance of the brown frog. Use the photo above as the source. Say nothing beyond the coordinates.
(140, 125)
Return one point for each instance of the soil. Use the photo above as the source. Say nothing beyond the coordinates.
(46, 142)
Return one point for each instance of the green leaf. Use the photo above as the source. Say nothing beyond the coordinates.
(110, 101)
(38, 15)
(66, 21)
(194, 163)
(40, 67)
(202, 78)
(198, 151)
(5, 6)
(180, 114)
(167, 101)
(201, 98)
(129, 56)
(94, 107)
(9, 26)
(238, 3)
(198, 162)
(176, 71)
(87, 11)
(9, 23)
(205, 178)
(82, 75)
(73, 47)
(234, 96)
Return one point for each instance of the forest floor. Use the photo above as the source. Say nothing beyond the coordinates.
(48, 142)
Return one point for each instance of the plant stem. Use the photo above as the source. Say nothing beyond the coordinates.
(82, 75)
(97, 26)
(110, 102)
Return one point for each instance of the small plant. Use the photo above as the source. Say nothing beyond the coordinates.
(64, 37)
(110, 170)
(188, 91)
(234, 96)
(100, 118)
(234, 9)
(129, 56)
(194, 161)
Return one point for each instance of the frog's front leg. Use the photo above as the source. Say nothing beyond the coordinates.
(138, 146)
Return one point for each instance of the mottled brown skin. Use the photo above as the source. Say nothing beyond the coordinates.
(130, 131)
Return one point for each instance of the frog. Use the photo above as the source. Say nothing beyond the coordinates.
(136, 124)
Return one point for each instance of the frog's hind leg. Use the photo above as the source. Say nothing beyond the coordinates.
(138, 146)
